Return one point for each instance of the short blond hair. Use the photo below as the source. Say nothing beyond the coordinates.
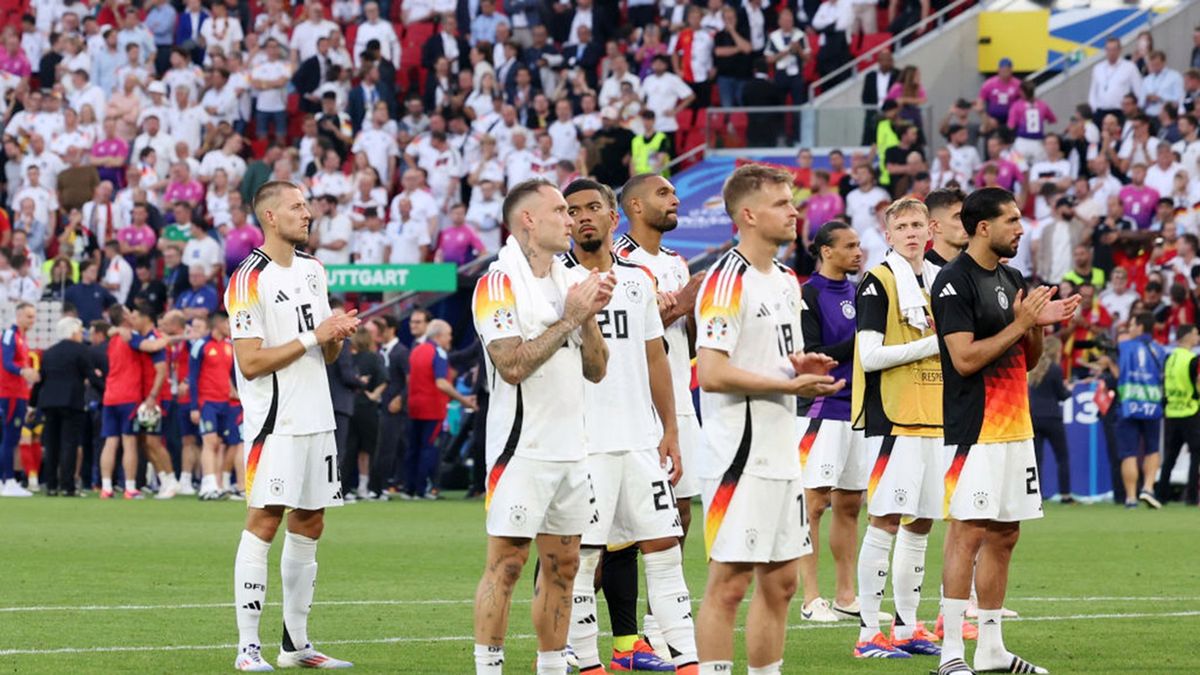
(906, 205)
(748, 179)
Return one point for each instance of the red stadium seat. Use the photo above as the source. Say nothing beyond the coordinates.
(865, 43)
(351, 31)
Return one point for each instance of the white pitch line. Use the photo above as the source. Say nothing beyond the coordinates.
(465, 638)
(434, 602)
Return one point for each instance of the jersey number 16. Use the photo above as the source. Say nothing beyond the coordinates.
(304, 317)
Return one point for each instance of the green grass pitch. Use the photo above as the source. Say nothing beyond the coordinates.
(91, 587)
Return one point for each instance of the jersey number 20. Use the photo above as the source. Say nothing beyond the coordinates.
(614, 324)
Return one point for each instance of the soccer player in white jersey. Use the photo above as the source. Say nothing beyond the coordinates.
(537, 321)
(283, 336)
(628, 452)
(650, 205)
(751, 370)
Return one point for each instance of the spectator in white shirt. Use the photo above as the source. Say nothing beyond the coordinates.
(1162, 86)
(221, 32)
(331, 232)
(1119, 297)
(443, 167)
(666, 94)
(423, 204)
(203, 250)
(610, 91)
(379, 145)
(564, 133)
(408, 239)
(270, 79)
(861, 202)
(942, 173)
(371, 242)
(45, 201)
(118, 276)
(519, 162)
(375, 28)
(101, 217)
(1161, 174)
(306, 33)
(485, 215)
(1140, 147)
(1112, 79)
(228, 157)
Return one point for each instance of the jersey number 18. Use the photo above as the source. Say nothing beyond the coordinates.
(784, 339)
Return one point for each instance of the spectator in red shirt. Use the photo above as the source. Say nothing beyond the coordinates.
(429, 391)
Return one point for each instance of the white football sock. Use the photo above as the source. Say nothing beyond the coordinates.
(671, 603)
(772, 669)
(298, 571)
(585, 626)
(953, 610)
(106, 484)
(131, 486)
(991, 642)
(363, 481)
(227, 479)
(552, 662)
(872, 578)
(489, 660)
(716, 668)
(185, 477)
(250, 586)
(208, 483)
(908, 573)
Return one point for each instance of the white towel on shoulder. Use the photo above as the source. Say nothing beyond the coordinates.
(914, 300)
(535, 313)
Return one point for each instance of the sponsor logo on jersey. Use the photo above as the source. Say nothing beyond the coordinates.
(947, 292)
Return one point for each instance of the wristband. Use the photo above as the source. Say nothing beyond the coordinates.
(308, 340)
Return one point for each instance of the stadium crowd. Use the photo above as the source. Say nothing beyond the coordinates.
(135, 135)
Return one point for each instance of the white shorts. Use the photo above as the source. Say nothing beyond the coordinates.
(634, 499)
(832, 454)
(532, 496)
(906, 476)
(755, 520)
(299, 472)
(993, 481)
(691, 444)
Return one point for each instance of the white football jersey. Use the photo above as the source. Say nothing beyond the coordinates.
(278, 304)
(672, 273)
(619, 411)
(542, 417)
(755, 318)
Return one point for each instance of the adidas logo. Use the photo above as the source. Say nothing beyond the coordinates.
(763, 310)
(281, 297)
(254, 606)
(587, 620)
(947, 292)
(870, 290)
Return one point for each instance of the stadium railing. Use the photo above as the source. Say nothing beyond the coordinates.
(783, 130)
(897, 44)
